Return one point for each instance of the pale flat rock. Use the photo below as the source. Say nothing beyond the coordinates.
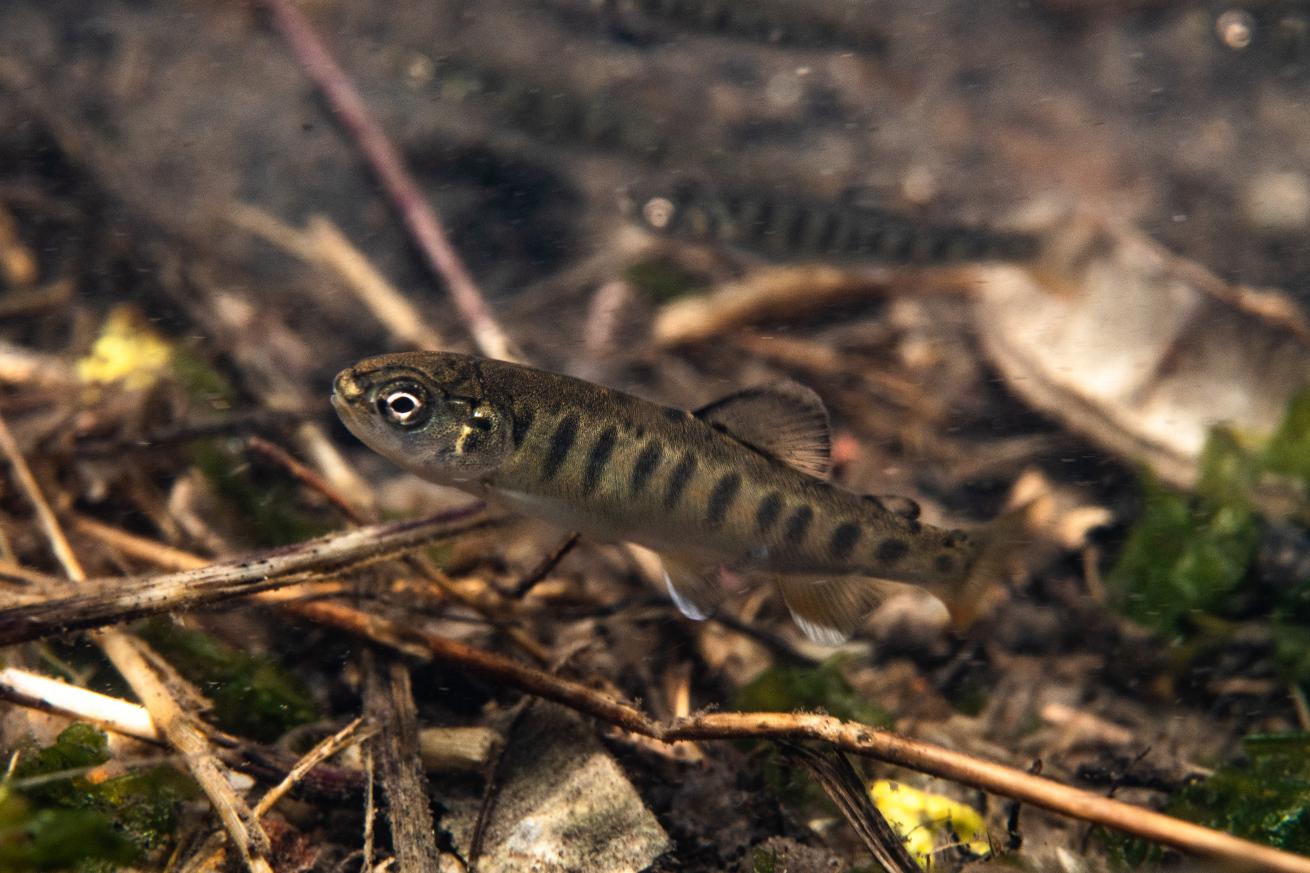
(1142, 351)
(562, 804)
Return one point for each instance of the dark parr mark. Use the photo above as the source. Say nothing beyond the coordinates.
(798, 524)
(598, 457)
(522, 424)
(767, 513)
(891, 550)
(944, 564)
(678, 480)
(721, 498)
(561, 441)
(647, 461)
(844, 539)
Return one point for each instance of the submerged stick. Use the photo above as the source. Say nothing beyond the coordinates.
(420, 218)
(116, 600)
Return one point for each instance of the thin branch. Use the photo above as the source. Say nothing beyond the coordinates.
(547, 565)
(420, 218)
(326, 748)
(117, 600)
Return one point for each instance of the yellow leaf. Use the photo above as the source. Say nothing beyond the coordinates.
(925, 821)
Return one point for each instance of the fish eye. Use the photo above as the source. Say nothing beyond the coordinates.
(404, 404)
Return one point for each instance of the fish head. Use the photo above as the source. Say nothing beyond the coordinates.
(432, 413)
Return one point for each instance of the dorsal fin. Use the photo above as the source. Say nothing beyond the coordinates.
(783, 420)
(895, 504)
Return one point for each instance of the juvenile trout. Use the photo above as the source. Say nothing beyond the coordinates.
(782, 226)
(739, 485)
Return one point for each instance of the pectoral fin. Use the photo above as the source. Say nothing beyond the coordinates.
(695, 588)
(829, 610)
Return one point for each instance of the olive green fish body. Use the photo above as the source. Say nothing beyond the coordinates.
(787, 227)
(701, 489)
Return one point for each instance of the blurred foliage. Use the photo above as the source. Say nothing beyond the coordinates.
(1265, 798)
(270, 505)
(923, 820)
(1188, 556)
(660, 280)
(821, 688)
(55, 816)
(253, 696)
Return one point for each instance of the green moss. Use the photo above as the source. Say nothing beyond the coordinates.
(786, 689)
(1265, 798)
(269, 504)
(1188, 553)
(1288, 451)
(660, 281)
(252, 695)
(52, 817)
(764, 860)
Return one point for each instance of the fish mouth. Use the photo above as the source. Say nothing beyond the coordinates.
(346, 387)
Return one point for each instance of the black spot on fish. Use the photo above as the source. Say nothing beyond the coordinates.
(521, 425)
(944, 564)
(798, 524)
(561, 442)
(678, 480)
(768, 510)
(721, 498)
(891, 550)
(844, 539)
(598, 457)
(647, 461)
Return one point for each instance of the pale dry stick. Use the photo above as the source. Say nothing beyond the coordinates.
(388, 305)
(51, 695)
(324, 749)
(418, 215)
(127, 655)
(323, 244)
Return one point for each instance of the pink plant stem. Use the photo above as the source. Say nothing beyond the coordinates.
(420, 218)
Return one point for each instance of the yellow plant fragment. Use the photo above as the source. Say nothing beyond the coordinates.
(922, 818)
(128, 350)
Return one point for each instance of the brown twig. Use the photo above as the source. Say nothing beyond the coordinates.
(116, 600)
(545, 567)
(420, 218)
(389, 701)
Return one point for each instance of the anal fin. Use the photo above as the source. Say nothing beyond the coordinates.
(828, 611)
(695, 588)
